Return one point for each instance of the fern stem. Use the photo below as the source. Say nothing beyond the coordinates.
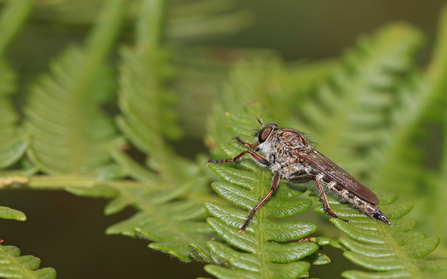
(13, 17)
(60, 182)
(438, 67)
(438, 206)
(150, 22)
(104, 34)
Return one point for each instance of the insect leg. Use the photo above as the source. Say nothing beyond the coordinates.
(253, 154)
(246, 144)
(275, 183)
(324, 199)
(307, 177)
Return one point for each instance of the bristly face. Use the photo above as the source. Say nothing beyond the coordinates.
(265, 135)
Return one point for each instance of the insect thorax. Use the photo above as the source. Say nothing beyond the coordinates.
(282, 151)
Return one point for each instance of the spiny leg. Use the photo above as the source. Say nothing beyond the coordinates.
(253, 154)
(324, 199)
(246, 144)
(275, 183)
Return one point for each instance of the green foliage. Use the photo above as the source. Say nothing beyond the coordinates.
(171, 204)
(63, 109)
(9, 213)
(13, 142)
(12, 265)
(363, 110)
(356, 125)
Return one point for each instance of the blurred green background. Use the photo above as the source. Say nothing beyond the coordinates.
(67, 232)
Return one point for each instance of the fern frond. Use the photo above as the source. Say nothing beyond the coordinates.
(13, 142)
(172, 192)
(198, 19)
(363, 229)
(12, 265)
(142, 96)
(166, 218)
(70, 133)
(267, 256)
(14, 15)
(349, 114)
(394, 252)
(389, 250)
(394, 163)
(433, 215)
(171, 218)
(259, 253)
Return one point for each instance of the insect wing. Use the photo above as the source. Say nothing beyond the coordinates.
(332, 170)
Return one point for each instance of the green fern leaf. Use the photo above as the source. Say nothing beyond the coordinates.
(171, 193)
(9, 213)
(391, 250)
(140, 100)
(171, 223)
(13, 141)
(197, 19)
(263, 238)
(12, 265)
(349, 114)
(167, 217)
(379, 236)
(70, 133)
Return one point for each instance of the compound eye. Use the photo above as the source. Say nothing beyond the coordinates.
(264, 134)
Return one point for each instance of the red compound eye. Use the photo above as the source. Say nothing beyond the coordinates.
(264, 134)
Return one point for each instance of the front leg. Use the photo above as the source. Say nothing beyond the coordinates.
(253, 154)
(273, 187)
(246, 144)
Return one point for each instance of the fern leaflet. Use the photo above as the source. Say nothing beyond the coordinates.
(12, 265)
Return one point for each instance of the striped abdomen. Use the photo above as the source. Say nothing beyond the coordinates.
(371, 209)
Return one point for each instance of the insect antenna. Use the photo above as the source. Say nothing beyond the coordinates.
(260, 122)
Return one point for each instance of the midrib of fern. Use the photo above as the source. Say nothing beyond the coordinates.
(97, 47)
(261, 216)
(389, 239)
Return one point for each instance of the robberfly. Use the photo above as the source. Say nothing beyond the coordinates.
(289, 154)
